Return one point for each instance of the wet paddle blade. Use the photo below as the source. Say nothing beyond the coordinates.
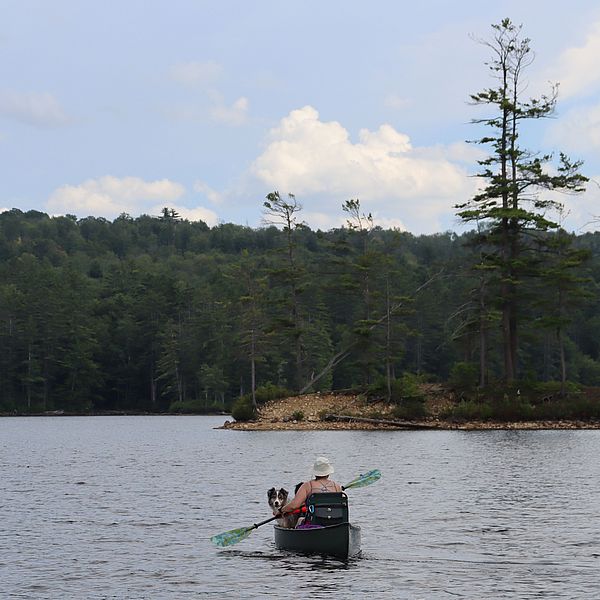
(366, 479)
(229, 538)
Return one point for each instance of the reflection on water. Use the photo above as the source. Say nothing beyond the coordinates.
(123, 507)
(288, 559)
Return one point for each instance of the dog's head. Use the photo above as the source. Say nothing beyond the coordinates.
(277, 498)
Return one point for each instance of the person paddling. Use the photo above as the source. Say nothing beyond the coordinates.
(322, 469)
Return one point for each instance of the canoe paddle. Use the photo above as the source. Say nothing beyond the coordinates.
(229, 538)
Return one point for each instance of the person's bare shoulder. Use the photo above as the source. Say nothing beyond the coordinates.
(305, 488)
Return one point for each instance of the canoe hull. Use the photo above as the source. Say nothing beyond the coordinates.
(341, 541)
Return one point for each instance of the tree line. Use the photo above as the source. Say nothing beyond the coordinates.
(150, 313)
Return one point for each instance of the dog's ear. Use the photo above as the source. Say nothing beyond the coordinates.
(271, 492)
(283, 492)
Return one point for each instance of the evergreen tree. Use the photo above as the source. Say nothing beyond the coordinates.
(564, 288)
(365, 262)
(251, 314)
(284, 213)
(511, 204)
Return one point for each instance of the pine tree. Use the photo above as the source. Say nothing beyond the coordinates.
(565, 288)
(511, 204)
(283, 213)
(251, 314)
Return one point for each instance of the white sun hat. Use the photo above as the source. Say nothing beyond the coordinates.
(322, 467)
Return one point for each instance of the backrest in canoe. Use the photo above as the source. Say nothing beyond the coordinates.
(327, 508)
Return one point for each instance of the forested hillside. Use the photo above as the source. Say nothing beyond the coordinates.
(142, 313)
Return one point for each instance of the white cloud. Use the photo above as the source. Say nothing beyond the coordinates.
(579, 212)
(312, 158)
(110, 196)
(196, 74)
(389, 223)
(461, 152)
(236, 114)
(204, 75)
(582, 212)
(213, 109)
(39, 110)
(578, 130)
(578, 68)
(326, 221)
(212, 195)
(321, 220)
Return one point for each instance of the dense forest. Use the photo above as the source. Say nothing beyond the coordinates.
(158, 313)
(144, 313)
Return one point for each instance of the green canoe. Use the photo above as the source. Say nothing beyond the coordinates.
(341, 541)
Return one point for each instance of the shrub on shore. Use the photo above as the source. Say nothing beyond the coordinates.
(502, 411)
(464, 378)
(406, 395)
(269, 391)
(411, 408)
(404, 389)
(243, 410)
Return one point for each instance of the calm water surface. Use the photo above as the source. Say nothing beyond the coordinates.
(123, 507)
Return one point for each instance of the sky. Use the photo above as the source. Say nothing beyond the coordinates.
(205, 107)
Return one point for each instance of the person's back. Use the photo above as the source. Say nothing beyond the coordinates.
(322, 469)
(321, 485)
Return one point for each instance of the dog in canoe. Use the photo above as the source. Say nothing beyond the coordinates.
(277, 499)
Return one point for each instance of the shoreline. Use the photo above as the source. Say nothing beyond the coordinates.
(576, 425)
(349, 425)
(113, 413)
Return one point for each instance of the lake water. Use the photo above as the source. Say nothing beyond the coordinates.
(123, 507)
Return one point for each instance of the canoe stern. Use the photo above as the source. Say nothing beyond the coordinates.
(342, 540)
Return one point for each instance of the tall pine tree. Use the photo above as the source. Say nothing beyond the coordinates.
(512, 203)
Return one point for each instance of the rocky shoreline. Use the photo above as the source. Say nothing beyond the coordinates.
(433, 424)
(312, 412)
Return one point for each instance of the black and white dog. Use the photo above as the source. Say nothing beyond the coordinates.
(277, 499)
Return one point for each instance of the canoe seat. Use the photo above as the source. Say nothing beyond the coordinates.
(329, 508)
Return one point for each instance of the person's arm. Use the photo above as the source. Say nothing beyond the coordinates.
(298, 500)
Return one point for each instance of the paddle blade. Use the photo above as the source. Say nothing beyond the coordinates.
(229, 538)
(366, 479)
